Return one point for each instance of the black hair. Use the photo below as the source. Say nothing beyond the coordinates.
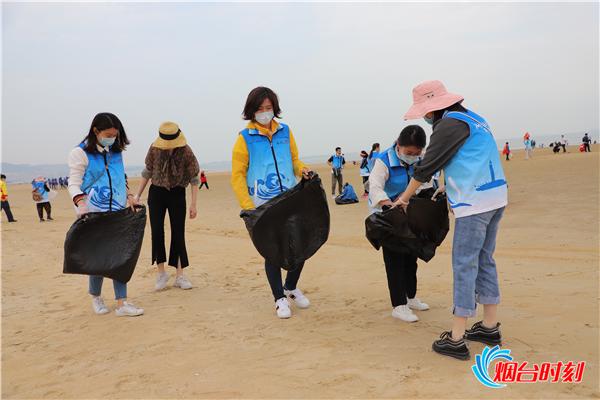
(103, 121)
(438, 114)
(338, 148)
(373, 147)
(412, 135)
(2, 176)
(256, 98)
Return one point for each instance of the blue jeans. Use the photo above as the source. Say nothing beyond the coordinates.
(473, 265)
(96, 287)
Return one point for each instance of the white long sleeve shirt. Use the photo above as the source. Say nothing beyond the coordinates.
(377, 180)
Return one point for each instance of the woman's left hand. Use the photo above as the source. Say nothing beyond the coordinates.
(133, 201)
(401, 202)
(193, 211)
(306, 172)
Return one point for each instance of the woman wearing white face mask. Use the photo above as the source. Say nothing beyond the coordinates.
(97, 183)
(264, 164)
(389, 178)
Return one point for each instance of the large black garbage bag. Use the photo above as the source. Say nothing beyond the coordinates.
(290, 228)
(106, 244)
(419, 230)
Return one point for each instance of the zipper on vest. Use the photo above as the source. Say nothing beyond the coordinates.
(276, 167)
(109, 181)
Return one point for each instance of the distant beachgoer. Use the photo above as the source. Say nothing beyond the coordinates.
(336, 162)
(41, 197)
(98, 184)
(373, 155)
(586, 143)
(265, 164)
(170, 166)
(527, 143)
(563, 143)
(506, 151)
(463, 146)
(365, 171)
(389, 179)
(203, 181)
(4, 201)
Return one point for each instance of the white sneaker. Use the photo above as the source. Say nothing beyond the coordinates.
(299, 298)
(128, 310)
(283, 308)
(417, 304)
(404, 313)
(182, 282)
(161, 280)
(99, 306)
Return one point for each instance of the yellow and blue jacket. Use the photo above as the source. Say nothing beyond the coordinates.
(264, 163)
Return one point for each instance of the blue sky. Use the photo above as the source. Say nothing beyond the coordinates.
(344, 72)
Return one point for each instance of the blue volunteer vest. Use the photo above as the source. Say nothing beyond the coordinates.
(337, 161)
(372, 159)
(105, 188)
(475, 181)
(365, 171)
(39, 186)
(399, 173)
(270, 169)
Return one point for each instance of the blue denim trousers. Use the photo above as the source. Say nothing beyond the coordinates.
(96, 287)
(473, 265)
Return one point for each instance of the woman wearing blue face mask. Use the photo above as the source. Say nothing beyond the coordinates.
(97, 183)
(389, 178)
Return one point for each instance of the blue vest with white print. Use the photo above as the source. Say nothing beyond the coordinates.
(40, 187)
(372, 159)
(104, 181)
(270, 167)
(475, 181)
(399, 173)
(337, 161)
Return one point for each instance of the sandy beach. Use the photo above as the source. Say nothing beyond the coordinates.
(223, 340)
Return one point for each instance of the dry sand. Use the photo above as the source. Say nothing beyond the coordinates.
(222, 338)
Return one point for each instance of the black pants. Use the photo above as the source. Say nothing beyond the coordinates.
(339, 179)
(401, 270)
(6, 208)
(161, 200)
(44, 206)
(365, 179)
(204, 184)
(507, 156)
(587, 147)
(564, 148)
(274, 278)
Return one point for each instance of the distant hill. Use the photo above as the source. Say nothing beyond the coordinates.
(23, 173)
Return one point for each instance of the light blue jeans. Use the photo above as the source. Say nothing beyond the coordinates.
(96, 287)
(473, 265)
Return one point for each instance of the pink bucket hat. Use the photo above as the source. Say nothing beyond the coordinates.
(430, 96)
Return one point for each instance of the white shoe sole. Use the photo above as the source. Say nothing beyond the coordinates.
(401, 318)
(418, 308)
(102, 312)
(129, 315)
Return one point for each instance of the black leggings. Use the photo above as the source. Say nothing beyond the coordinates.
(401, 270)
(274, 278)
(44, 206)
(161, 200)
(6, 208)
(204, 184)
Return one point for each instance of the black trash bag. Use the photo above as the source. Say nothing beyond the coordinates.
(418, 231)
(106, 244)
(290, 228)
